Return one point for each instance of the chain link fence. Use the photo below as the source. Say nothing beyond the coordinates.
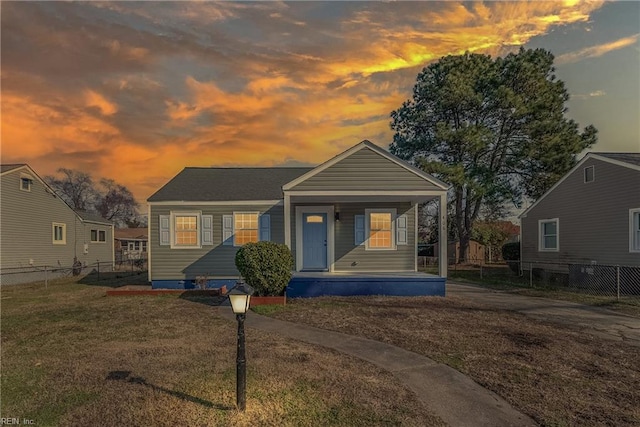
(616, 281)
(101, 270)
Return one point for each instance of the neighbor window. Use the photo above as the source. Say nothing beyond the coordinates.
(98, 236)
(589, 174)
(548, 232)
(25, 184)
(380, 229)
(245, 227)
(634, 230)
(59, 233)
(186, 230)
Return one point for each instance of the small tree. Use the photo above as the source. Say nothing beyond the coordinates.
(265, 266)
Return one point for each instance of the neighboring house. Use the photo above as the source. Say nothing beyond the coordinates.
(475, 253)
(590, 216)
(131, 243)
(350, 224)
(39, 229)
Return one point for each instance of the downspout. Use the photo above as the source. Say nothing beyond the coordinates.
(149, 242)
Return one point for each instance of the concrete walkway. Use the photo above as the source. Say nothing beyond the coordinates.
(455, 398)
(598, 321)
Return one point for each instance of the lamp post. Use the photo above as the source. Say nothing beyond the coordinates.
(239, 296)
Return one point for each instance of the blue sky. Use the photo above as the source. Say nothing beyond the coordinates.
(136, 91)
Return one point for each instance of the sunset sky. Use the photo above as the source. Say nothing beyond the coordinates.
(136, 91)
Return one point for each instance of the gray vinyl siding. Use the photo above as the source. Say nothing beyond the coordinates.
(593, 218)
(217, 260)
(26, 228)
(365, 170)
(102, 251)
(349, 257)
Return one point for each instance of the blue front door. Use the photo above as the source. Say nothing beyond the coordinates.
(314, 241)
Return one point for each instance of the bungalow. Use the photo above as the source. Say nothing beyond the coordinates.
(590, 216)
(41, 232)
(349, 222)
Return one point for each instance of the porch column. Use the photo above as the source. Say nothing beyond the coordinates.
(287, 220)
(442, 236)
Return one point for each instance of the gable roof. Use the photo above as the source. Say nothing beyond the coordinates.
(7, 168)
(628, 160)
(92, 217)
(227, 184)
(139, 233)
(84, 216)
(362, 145)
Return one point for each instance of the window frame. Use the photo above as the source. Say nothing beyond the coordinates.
(367, 228)
(98, 234)
(593, 174)
(541, 235)
(235, 229)
(62, 226)
(29, 182)
(634, 233)
(173, 229)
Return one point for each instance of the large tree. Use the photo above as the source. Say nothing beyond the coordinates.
(109, 199)
(495, 129)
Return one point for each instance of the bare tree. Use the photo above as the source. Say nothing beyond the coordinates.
(75, 187)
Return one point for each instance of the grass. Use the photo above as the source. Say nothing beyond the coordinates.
(501, 278)
(557, 375)
(72, 356)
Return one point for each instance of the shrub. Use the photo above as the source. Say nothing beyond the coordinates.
(511, 251)
(511, 254)
(265, 266)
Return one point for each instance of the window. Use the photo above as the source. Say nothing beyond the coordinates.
(245, 227)
(634, 230)
(548, 232)
(59, 233)
(380, 229)
(186, 230)
(589, 174)
(144, 246)
(25, 184)
(98, 236)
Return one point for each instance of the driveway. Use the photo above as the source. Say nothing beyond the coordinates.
(598, 321)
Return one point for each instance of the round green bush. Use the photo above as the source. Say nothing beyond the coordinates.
(511, 254)
(265, 266)
(511, 251)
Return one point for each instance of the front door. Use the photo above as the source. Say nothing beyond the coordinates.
(314, 241)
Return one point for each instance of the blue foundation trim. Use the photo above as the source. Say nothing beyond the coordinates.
(304, 287)
(191, 284)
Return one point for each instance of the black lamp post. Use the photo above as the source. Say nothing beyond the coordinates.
(239, 296)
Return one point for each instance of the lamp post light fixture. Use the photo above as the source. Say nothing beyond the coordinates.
(240, 295)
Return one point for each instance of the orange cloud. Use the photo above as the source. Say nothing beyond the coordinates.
(94, 99)
(596, 51)
(263, 103)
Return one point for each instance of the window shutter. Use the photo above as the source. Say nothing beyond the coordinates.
(165, 232)
(402, 232)
(265, 227)
(359, 229)
(227, 230)
(207, 230)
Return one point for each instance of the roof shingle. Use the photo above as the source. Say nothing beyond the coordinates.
(227, 184)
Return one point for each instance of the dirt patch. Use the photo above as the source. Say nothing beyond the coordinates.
(555, 374)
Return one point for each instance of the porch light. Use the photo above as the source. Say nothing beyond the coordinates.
(336, 216)
(240, 295)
